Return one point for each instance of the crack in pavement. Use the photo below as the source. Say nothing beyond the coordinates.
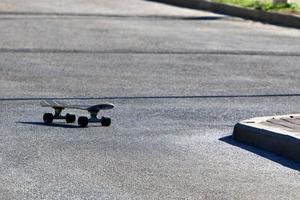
(153, 97)
(165, 52)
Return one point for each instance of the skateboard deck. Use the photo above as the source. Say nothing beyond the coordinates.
(62, 105)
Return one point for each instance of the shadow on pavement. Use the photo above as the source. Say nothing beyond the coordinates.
(52, 124)
(203, 18)
(281, 160)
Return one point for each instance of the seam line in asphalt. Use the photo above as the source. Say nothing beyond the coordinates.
(151, 97)
(208, 52)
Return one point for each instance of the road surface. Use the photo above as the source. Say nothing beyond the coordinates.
(180, 79)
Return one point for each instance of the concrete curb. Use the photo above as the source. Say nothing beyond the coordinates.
(252, 14)
(281, 140)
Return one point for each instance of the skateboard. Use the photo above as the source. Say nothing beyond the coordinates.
(70, 118)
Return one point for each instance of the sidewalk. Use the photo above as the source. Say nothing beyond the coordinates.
(246, 13)
(277, 134)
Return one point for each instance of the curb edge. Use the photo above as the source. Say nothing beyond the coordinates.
(281, 144)
(246, 13)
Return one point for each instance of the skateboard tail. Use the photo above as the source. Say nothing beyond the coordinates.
(52, 103)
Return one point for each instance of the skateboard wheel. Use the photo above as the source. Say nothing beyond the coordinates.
(83, 121)
(70, 118)
(105, 121)
(48, 118)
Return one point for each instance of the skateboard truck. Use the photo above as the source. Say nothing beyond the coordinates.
(48, 117)
(83, 121)
(94, 117)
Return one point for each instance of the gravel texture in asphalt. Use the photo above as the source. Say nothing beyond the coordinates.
(180, 80)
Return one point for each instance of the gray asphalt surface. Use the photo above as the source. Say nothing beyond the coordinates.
(180, 80)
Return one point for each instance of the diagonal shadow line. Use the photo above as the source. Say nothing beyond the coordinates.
(153, 97)
(51, 125)
(268, 155)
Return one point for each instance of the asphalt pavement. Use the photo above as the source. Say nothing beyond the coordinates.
(180, 79)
